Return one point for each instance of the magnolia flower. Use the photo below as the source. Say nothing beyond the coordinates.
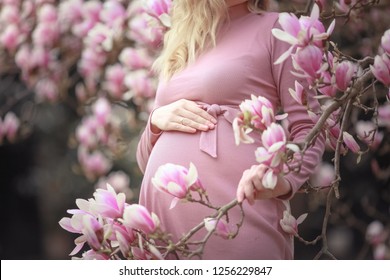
(301, 32)
(146, 30)
(270, 178)
(323, 175)
(102, 110)
(46, 34)
(47, 90)
(113, 14)
(47, 14)
(299, 94)
(350, 142)
(289, 224)
(220, 227)
(366, 130)
(274, 138)
(258, 111)
(384, 115)
(135, 58)
(176, 180)
(159, 9)
(385, 41)
(381, 252)
(93, 255)
(93, 231)
(108, 203)
(11, 37)
(381, 69)
(10, 14)
(309, 61)
(95, 164)
(9, 127)
(329, 88)
(120, 182)
(241, 132)
(114, 80)
(376, 233)
(138, 217)
(139, 83)
(344, 74)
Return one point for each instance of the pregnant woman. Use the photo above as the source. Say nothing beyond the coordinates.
(216, 54)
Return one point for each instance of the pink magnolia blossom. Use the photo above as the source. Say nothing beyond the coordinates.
(46, 34)
(384, 115)
(10, 14)
(140, 83)
(86, 137)
(259, 111)
(11, 37)
(350, 142)
(366, 130)
(270, 178)
(241, 133)
(108, 203)
(299, 94)
(9, 127)
(381, 252)
(93, 231)
(159, 9)
(100, 37)
(344, 74)
(47, 14)
(114, 80)
(146, 30)
(323, 175)
(385, 41)
(135, 58)
(93, 255)
(274, 138)
(176, 180)
(220, 226)
(91, 62)
(138, 217)
(102, 110)
(92, 9)
(113, 14)
(70, 12)
(124, 237)
(309, 61)
(289, 224)
(120, 182)
(328, 88)
(376, 233)
(301, 32)
(47, 90)
(95, 164)
(381, 69)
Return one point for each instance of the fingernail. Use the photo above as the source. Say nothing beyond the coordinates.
(211, 125)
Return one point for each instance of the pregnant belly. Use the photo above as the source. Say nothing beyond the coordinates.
(183, 148)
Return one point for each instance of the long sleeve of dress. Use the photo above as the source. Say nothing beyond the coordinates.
(299, 122)
(145, 145)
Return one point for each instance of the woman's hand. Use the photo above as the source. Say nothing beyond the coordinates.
(182, 115)
(251, 186)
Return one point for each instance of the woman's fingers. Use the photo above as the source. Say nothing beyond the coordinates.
(184, 116)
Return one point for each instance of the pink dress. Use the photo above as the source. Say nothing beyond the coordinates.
(240, 65)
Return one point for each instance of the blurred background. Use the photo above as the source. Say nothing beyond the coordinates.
(76, 91)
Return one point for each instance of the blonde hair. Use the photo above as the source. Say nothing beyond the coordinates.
(194, 27)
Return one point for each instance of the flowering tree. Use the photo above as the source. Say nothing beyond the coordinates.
(97, 56)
